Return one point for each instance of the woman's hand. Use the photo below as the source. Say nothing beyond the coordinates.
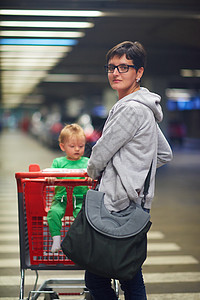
(50, 180)
(89, 179)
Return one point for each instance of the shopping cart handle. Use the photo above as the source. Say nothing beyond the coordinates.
(48, 174)
(63, 182)
(72, 177)
(81, 177)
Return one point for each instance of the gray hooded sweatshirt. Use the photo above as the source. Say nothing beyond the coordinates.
(131, 140)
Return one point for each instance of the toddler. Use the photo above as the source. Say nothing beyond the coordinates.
(71, 141)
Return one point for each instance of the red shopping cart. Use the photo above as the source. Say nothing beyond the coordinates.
(34, 199)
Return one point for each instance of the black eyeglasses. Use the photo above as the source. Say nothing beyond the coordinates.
(123, 68)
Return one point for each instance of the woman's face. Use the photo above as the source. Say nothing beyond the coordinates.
(124, 83)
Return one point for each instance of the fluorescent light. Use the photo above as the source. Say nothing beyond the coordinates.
(21, 73)
(64, 78)
(22, 87)
(75, 78)
(17, 83)
(14, 98)
(35, 99)
(138, 13)
(9, 80)
(177, 94)
(51, 24)
(43, 42)
(55, 34)
(25, 52)
(13, 81)
(42, 66)
(53, 13)
(29, 60)
(39, 49)
(31, 54)
(190, 73)
(186, 73)
(30, 68)
(19, 90)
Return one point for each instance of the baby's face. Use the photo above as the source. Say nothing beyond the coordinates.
(74, 147)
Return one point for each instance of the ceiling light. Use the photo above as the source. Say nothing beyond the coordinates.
(42, 66)
(21, 73)
(190, 73)
(26, 52)
(53, 13)
(9, 79)
(64, 78)
(137, 13)
(14, 98)
(31, 54)
(29, 60)
(43, 42)
(75, 78)
(186, 73)
(29, 48)
(42, 24)
(19, 89)
(30, 68)
(177, 94)
(51, 34)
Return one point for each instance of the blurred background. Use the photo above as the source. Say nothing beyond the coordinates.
(53, 56)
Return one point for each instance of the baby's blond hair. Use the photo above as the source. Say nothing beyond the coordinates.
(71, 130)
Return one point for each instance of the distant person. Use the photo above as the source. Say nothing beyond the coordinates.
(71, 141)
(131, 141)
(177, 133)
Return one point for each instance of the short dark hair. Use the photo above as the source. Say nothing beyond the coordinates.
(133, 50)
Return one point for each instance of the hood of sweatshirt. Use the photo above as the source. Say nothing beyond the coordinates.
(149, 99)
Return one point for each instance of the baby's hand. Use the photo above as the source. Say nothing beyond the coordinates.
(50, 180)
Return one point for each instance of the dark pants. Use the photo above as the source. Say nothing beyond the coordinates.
(100, 287)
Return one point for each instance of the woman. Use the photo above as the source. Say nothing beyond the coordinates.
(130, 142)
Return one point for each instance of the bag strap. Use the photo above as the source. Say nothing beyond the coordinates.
(146, 186)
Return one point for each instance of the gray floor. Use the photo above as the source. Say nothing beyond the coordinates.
(172, 269)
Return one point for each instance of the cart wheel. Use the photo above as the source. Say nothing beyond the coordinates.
(87, 295)
(50, 296)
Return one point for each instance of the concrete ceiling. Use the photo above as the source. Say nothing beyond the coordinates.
(169, 30)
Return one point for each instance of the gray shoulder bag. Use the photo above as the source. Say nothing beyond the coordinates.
(112, 245)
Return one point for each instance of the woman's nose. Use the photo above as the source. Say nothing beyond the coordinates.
(116, 71)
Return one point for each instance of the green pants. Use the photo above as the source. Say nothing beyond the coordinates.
(57, 212)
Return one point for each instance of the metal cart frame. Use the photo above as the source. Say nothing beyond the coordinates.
(34, 237)
(33, 185)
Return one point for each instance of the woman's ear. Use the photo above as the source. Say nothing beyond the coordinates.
(140, 72)
(62, 147)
